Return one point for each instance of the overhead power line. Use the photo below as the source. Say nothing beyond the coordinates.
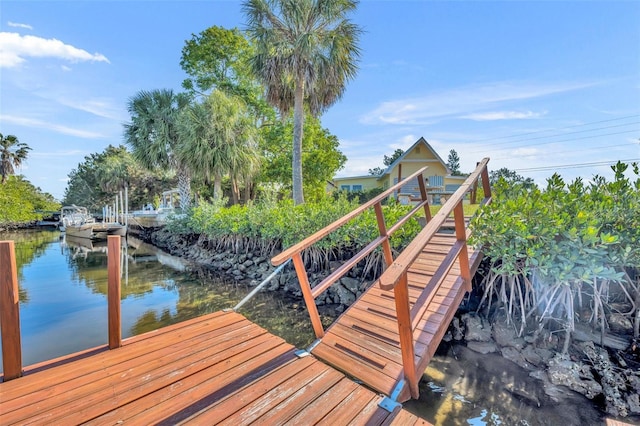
(577, 165)
(558, 128)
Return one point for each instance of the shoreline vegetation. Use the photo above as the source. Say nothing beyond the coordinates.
(561, 276)
(557, 293)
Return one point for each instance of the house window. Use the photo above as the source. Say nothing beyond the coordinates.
(345, 187)
(356, 187)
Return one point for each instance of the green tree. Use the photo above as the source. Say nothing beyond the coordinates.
(218, 58)
(20, 201)
(321, 158)
(389, 160)
(154, 137)
(511, 177)
(219, 139)
(95, 181)
(453, 163)
(304, 51)
(12, 155)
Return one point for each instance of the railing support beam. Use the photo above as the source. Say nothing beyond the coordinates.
(309, 300)
(113, 292)
(382, 228)
(10, 312)
(461, 236)
(405, 332)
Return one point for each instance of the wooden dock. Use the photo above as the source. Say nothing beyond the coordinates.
(387, 337)
(223, 369)
(364, 341)
(216, 369)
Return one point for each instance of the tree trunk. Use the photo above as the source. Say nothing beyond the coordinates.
(184, 187)
(298, 123)
(235, 192)
(217, 186)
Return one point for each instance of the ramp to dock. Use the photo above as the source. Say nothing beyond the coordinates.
(364, 342)
(387, 337)
(216, 369)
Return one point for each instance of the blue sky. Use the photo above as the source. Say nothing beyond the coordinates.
(530, 84)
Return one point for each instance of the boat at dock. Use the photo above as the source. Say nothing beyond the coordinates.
(76, 222)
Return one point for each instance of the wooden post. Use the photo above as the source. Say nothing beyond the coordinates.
(474, 190)
(461, 235)
(405, 332)
(309, 300)
(486, 187)
(423, 194)
(382, 228)
(113, 292)
(10, 312)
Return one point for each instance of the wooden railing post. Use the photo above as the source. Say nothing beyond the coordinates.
(382, 227)
(309, 300)
(423, 194)
(113, 292)
(486, 186)
(10, 312)
(461, 236)
(405, 332)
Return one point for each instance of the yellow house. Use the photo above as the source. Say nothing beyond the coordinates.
(440, 183)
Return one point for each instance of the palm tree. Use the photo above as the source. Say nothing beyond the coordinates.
(305, 49)
(219, 139)
(154, 136)
(12, 155)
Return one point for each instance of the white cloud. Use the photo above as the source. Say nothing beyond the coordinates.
(459, 101)
(68, 153)
(100, 107)
(31, 122)
(65, 68)
(503, 115)
(15, 48)
(18, 25)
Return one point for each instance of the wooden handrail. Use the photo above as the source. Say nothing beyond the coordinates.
(10, 313)
(395, 277)
(392, 275)
(309, 241)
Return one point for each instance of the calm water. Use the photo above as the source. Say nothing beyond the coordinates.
(63, 295)
(63, 309)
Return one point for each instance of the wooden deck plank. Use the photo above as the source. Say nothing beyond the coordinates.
(139, 363)
(17, 388)
(317, 410)
(119, 392)
(345, 412)
(245, 391)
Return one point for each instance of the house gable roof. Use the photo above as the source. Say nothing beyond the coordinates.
(423, 141)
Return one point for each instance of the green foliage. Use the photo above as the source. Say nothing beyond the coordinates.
(563, 239)
(95, 181)
(388, 160)
(511, 177)
(321, 158)
(20, 201)
(273, 224)
(218, 58)
(453, 163)
(12, 154)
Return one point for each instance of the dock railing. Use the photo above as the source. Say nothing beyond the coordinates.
(395, 277)
(385, 232)
(10, 305)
